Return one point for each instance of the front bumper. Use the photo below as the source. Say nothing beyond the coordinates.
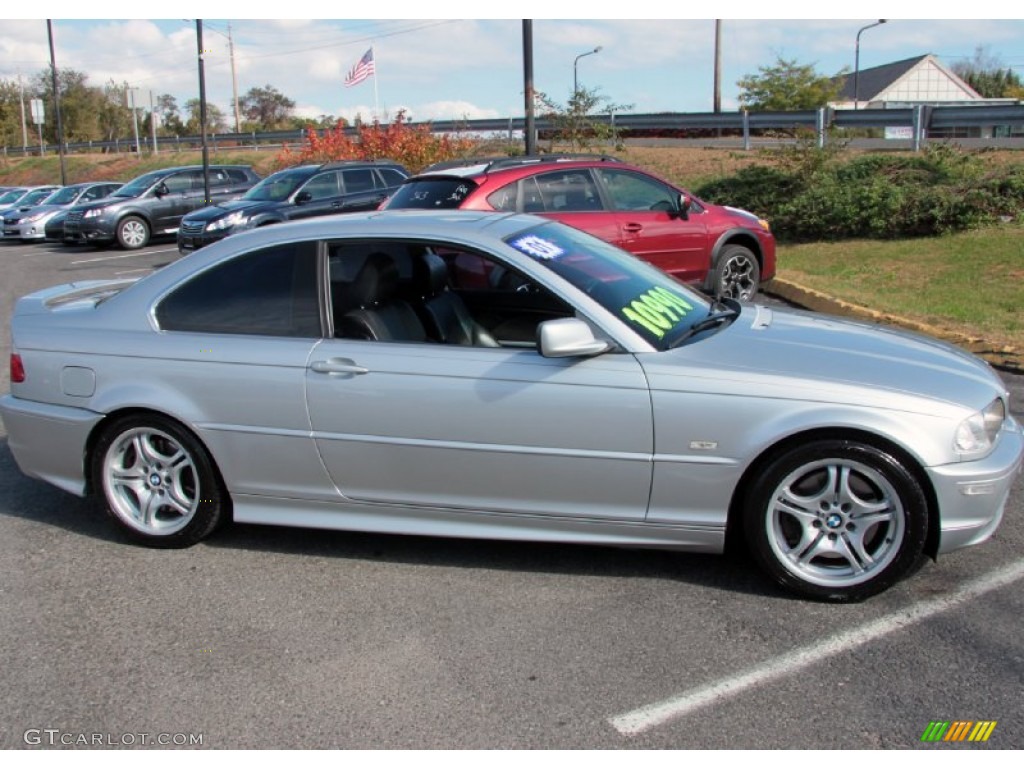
(972, 495)
(48, 441)
(94, 230)
(193, 241)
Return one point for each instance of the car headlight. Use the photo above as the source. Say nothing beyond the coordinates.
(235, 219)
(33, 217)
(977, 433)
(93, 213)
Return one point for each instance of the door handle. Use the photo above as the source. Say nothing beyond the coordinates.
(338, 365)
(632, 228)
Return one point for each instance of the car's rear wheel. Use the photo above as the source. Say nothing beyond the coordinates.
(132, 233)
(738, 275)
(836, 520)
(157, 481)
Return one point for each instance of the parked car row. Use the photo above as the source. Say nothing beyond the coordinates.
(173, 201)
(726, 252)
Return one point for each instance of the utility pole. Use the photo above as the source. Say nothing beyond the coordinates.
(718, 66)
(202, 111)
(56, 105)
(234, 80)
(531, 132)
(152, 123)
(24, 125)
(130, 92)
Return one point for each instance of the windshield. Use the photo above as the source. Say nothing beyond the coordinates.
(137, 187)
(277, 187)
(431, 193)
(650, 302)
(36, 197)
(64, 196)
(11, 196)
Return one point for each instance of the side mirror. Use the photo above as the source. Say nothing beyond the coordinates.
(161, 190)
(568, 337)
(684, 205)
(303, 197)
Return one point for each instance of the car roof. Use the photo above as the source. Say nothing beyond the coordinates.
(486, 165)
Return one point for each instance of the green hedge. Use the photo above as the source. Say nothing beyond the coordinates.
(811, 194)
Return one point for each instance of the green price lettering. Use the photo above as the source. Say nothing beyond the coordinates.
(657, 310)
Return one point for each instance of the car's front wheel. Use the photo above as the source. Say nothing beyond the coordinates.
(157, 481)
(738, 275)
(836, 520)
(132, 233)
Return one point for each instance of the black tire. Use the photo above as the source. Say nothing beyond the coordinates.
(132, 233)
(737, 274)
(836, 520)
(157, 482)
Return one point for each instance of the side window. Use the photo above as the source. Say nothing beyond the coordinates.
(323, 186)
(390, 176)
(95, 193)
(432, 292)
(270, 292)
(568, 191)
(218, 178)
(235, 176)
(633, 192)
(358, 180)
(182, 182)
(506, 198)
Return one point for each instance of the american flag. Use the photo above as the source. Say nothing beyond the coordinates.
(362, 70)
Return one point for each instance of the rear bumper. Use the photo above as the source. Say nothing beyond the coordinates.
(48, 441)
(972, 495)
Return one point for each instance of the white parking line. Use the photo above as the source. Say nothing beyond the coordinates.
(132, 271)
(124, 256)
(645, 718)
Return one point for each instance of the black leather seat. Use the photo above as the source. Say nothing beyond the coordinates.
(380, 315)
(443, 311)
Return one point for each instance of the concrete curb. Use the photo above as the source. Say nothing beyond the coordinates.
(1007, 358)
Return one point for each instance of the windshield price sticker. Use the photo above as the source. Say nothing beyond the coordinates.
(657, 310)
(538, 247)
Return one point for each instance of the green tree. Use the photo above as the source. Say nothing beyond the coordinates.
(787, 86)
(266, 109)
(215, 120)
(169, 116)
(10, 113)
(81, 105)
(985, 74)
(575, 123)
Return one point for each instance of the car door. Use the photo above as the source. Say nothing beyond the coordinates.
(650, 226)
(569, 195)
(361, 190)
(498, 430)
(319, 196)
(168, 200)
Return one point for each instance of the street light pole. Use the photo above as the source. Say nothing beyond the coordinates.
(576, 61)
(856, 63)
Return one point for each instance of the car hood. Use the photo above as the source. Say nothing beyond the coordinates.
(213, 212)
(831, 360)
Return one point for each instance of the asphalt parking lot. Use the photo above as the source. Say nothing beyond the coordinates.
(284, 638)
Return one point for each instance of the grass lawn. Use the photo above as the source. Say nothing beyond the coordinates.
(972, 283)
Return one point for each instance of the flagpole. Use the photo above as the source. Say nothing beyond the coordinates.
(376, 100)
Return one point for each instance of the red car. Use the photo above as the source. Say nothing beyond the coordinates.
(727, 252)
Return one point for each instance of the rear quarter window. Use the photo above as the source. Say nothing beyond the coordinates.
(270, 292)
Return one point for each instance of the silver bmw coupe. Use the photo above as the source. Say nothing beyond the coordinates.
(506, 377)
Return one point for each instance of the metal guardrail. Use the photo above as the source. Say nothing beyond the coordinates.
(923, 120)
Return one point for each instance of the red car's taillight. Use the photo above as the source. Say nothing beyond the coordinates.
(17, 369)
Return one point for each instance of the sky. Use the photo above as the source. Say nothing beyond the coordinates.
(438, 69)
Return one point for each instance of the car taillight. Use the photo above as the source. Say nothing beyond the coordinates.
(17, 369)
